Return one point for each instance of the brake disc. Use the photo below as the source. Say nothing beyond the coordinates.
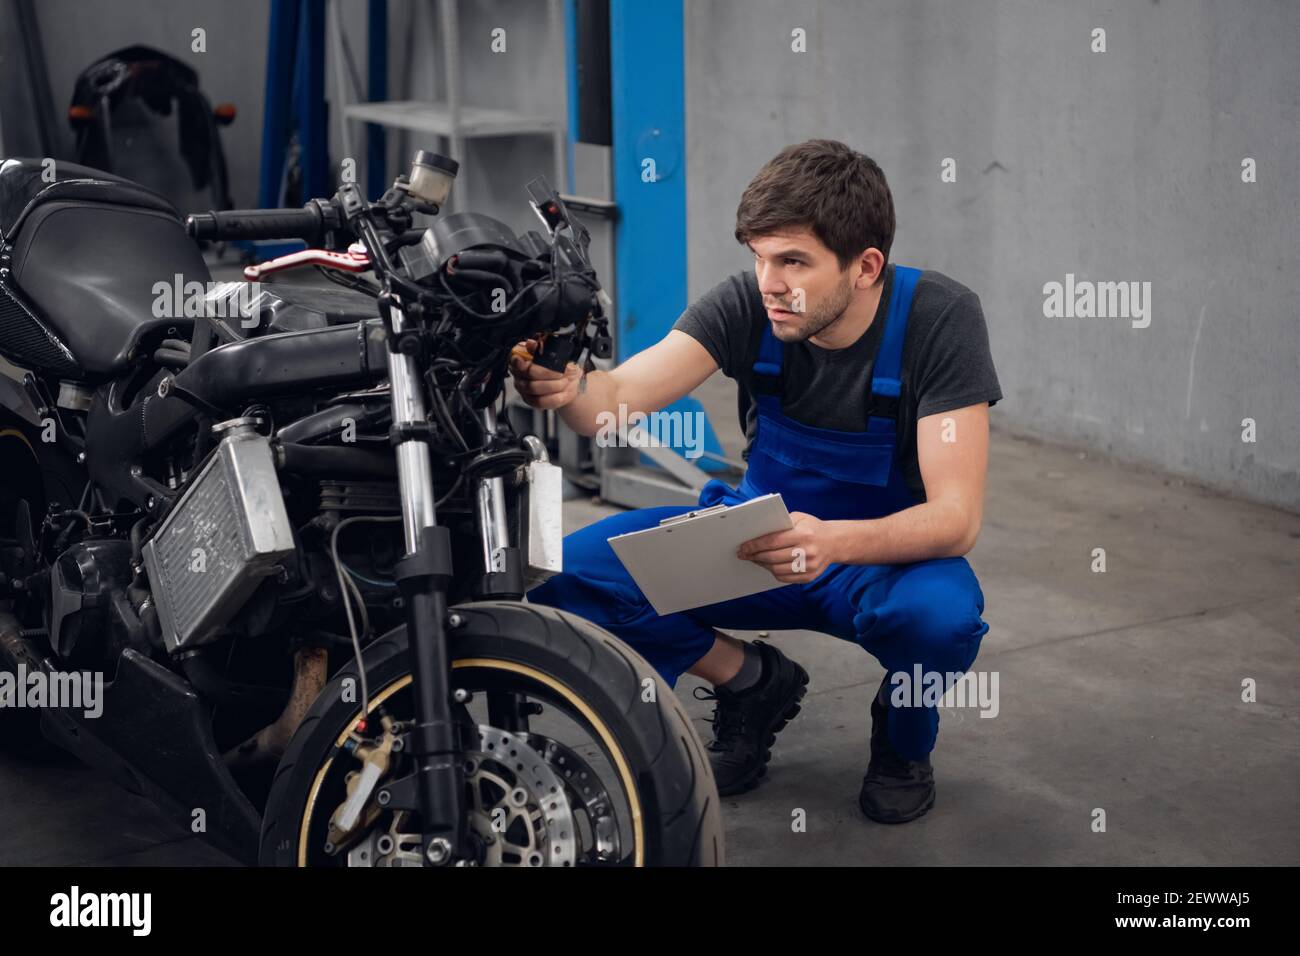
(390, 847)
(518, 808)
(518, 805)
(587, 795)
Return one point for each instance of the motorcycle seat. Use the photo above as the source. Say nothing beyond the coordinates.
(25, 185)
(86, 254)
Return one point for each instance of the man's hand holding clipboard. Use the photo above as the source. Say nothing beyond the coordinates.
(692, 560)
(794, 556)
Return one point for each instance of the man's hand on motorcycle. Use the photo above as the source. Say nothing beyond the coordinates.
(796, 556)
(539, 386)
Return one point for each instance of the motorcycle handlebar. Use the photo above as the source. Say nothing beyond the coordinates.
(308, 223)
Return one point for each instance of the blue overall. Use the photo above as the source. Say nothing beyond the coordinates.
(925, 613)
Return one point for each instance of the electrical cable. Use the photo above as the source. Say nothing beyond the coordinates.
(374, 582)
(505, 312)
(349, 281)
(348, 588)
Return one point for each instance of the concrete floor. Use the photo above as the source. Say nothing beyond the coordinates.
(1119, 691)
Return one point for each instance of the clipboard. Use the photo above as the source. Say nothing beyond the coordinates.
(689, 560)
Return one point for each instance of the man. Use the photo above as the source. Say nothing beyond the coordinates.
(871, 386)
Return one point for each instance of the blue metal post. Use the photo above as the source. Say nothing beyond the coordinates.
(313, 129)
(571, 80)
(648, 101)
(648, 104)
(281, 43)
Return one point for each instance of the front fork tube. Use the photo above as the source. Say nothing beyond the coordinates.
(503, 570)
(424, 575)
(503, 577)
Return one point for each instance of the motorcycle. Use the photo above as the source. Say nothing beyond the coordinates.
(293, 539)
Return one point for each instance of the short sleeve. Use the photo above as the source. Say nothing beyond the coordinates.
(956, 363)
(719, 320)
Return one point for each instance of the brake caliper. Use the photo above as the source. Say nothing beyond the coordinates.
(357, 813)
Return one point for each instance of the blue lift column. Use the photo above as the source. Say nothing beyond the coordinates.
(648, 91)
(294, 104)
(649, 121)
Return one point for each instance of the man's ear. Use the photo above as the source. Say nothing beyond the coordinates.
(872, 265)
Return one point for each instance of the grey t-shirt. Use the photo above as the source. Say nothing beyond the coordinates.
(946, 359)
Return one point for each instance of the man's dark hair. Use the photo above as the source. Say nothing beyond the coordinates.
(838, 193)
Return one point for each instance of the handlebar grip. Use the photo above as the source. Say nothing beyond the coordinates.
(303, 224)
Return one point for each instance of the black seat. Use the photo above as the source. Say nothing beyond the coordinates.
(26, 183)
(86, 253)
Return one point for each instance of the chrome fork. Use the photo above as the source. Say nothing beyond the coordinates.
(490, 505)
(414, 470)
(424, 575)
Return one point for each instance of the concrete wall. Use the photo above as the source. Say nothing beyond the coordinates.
(527, 76)
(233, 68)
(1123, 165)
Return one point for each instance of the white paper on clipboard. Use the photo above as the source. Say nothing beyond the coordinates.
(689, 560)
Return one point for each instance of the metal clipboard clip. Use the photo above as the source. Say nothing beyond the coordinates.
(692, 514)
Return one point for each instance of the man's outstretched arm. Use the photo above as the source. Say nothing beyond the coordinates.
(646, 382)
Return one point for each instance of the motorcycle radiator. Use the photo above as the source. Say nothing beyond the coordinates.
(228, 531)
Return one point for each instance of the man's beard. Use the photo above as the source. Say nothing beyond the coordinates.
(828, 312)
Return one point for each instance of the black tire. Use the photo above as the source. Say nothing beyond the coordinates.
(20, 479)
(671, 778)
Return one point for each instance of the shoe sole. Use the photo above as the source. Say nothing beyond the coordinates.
(791, 710)
(929, 805)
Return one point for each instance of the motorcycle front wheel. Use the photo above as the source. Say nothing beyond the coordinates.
(579, 755)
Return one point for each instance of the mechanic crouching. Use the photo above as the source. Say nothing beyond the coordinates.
(871, 385)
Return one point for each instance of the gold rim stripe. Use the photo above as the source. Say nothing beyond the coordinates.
(620, 762)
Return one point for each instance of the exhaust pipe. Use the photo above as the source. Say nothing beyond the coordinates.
(16, 649)
(310, 670)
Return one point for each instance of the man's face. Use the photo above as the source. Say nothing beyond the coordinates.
(803, 287)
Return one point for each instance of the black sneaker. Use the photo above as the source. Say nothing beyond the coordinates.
(894, 790)
(745, 725)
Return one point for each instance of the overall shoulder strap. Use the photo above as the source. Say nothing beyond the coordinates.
(885, 381)
(767, 367)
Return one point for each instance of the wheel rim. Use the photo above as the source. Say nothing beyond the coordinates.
(577, 707)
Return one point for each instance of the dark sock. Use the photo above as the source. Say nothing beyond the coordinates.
(750, 673)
